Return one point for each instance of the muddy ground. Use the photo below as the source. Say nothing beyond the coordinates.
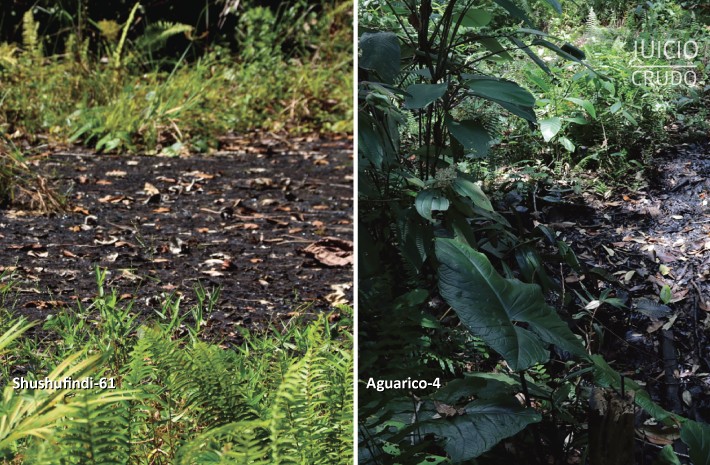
(650, 249)
(240, 220)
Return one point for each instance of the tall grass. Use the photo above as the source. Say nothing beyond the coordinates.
(129, 102)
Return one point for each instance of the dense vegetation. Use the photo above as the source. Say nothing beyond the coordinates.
(167, 79)
(166, 396)
(466, 110)
(171, 80)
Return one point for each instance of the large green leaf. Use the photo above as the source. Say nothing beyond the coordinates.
(697, 437)
(550, 127)
(586, 104)
(370, 149)
(421, 95)
(467, 187)
(492, 307)
(471, 135)
(492, 44)
(507, 94)
(667, 457)
(483, 424)
(380, 52)
(430, 200)
(476, 17)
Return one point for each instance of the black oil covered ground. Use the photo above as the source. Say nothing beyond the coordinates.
(269, 223)
(650, 249)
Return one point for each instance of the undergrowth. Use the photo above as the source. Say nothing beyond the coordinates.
(110, 92)
(283, 397)
(19, 185)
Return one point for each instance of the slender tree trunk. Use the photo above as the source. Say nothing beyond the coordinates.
(611, 428)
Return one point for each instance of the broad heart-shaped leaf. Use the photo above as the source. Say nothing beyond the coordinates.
(550, 127)
(697, 437)
(430, 200)
(380, 53)
(507, 94)
(421, 95)
(490, 306)
(483, 424)
(471, 135)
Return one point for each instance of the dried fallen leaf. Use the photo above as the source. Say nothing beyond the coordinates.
(199, 175)
(331, 251)
(150, 189)
(112, 198)
(446, 410)
(69, 254)
(338, 297)
(213, 273)
(116, 174)
(32, 253)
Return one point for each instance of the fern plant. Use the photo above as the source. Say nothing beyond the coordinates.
(592, 25)
(283, 399)
(30, 36)
(308, 420)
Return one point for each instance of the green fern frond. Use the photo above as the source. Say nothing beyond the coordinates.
(218, 384)
(97, 433)
(244, 442)
(307, 420)
(157, 34)
(163, 30)
(30, 35)
(591, 24)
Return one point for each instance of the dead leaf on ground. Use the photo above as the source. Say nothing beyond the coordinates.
(331, 251)
(150, 189)
(338, 296)
(116, 173)
(69, 254)
(112, 198)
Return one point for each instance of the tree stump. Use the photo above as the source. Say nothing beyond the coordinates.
(611, 428)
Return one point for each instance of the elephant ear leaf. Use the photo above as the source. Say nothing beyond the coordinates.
(509, 315)
(478, 426)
